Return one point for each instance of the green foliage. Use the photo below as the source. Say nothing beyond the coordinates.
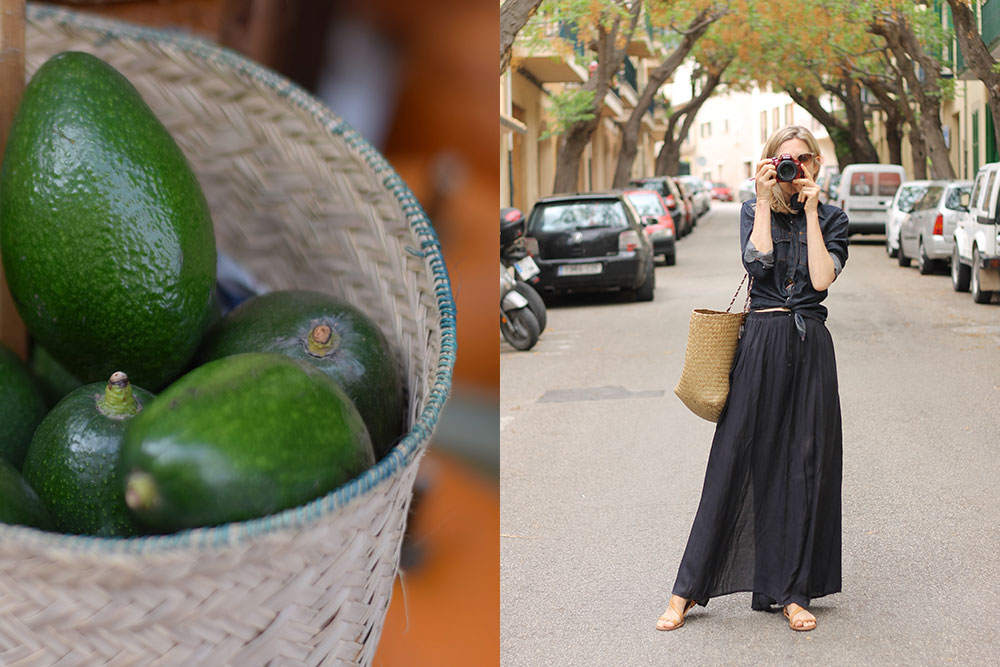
(568, 107)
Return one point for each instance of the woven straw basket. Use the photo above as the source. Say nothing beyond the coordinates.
(711, 347)
(302, 201)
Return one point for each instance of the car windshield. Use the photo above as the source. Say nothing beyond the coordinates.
(575, 215)
(953, 200)
(909, 195)
(647, 203)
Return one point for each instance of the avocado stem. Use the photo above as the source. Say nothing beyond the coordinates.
(117, 400)
(322, 339)
(140, 491)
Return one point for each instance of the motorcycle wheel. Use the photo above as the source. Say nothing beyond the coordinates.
(520, 328)
(535, 302)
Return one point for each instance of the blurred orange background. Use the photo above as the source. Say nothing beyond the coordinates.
(425, 72)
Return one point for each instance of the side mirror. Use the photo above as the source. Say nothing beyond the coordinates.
(649, 220)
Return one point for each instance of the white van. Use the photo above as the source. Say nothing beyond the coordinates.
(975, 261)
(865, 193)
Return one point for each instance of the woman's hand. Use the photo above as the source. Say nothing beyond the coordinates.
(765, 179)
(808, 193)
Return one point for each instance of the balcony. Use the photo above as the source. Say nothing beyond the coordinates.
(549, 66)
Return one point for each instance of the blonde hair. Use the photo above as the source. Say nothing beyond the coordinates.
(778, 200)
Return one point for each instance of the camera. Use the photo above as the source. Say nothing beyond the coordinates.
(787, 168)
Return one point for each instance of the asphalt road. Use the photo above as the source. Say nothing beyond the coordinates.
(602, 466)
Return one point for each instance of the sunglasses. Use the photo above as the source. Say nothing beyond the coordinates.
(805, 157)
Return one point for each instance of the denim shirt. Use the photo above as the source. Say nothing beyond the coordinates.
(781, 276)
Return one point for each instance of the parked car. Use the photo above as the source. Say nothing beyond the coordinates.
(688, 201)
(975, 260)
(865, 193)
(907, 194)
(590, 241)
(658, 224)
(928, 233)
(667, 188)
(748, 189)
(828, 183)
(721, 192)
(700, 195)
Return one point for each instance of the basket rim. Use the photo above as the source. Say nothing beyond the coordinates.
(405, 451)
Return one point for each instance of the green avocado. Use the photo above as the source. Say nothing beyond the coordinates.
(331, 335)
(73, 459)
(22, 407)
(19, 504)
(54, 380)
(107, 241)
(238, 438)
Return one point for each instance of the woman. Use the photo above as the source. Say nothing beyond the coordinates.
(769, 517)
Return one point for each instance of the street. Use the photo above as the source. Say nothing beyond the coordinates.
(602, 466)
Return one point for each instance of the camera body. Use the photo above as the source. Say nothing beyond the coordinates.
(787, 168)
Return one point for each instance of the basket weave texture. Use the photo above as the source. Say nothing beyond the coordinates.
(302, 201)
(711, 347)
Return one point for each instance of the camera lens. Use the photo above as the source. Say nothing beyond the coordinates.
(787, 170)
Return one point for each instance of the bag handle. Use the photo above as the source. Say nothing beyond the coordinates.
(746, 305)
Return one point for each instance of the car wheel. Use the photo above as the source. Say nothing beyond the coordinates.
(978, 294)
(645, 291)
(925, 264)
(959, 273)
(671, 258)
(520, 328)
(900, 254)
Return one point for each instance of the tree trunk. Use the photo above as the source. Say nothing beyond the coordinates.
(849, 146)
(630, 131)
(978, 58)
(576, 138)
(909, 53)
(668, 161)
(894, 117)
(513, 15)
(862, 149)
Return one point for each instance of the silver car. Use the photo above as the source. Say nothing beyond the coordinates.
(899, 210)
(928, 233)
(701, 196)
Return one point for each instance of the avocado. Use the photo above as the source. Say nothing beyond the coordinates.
(331, 335)
(22, 407)
(54, 380)
(107, 240)
(73, 459)
(238, 438)
(19, 504)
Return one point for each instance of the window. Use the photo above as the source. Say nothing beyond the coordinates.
(861, 183)
(776, 118)
(788, 114)
(570, 216)
(763, 127)
(725, 126)
(706, 130)
(977, 189)
(953, 200)
(888, 183)
(987, 200)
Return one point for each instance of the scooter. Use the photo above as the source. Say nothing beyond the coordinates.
(513, 255)
(518, 324)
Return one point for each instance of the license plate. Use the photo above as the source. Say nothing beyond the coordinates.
(526, 268)
(580, 269)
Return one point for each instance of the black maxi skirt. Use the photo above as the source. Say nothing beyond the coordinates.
(769, 517)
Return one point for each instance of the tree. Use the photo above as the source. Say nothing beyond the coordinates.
(669, 158)
(513, 15)
(978, 57)
(697, 27)
(898, 24)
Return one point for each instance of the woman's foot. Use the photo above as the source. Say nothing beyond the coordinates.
(799, 618)
(673, 617)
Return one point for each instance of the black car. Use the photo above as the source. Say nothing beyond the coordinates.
(671, 194)
(591, 241)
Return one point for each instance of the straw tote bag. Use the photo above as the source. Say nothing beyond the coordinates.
(711, 346)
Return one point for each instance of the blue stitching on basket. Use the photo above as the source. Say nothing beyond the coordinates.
(234, 533)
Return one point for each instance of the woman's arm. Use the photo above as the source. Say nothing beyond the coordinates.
(760, 235)
(822, 270)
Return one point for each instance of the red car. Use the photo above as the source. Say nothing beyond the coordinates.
(721, 192)
(661, 233)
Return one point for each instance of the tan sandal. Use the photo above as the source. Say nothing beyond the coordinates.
(687, 608)
(804, 627)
